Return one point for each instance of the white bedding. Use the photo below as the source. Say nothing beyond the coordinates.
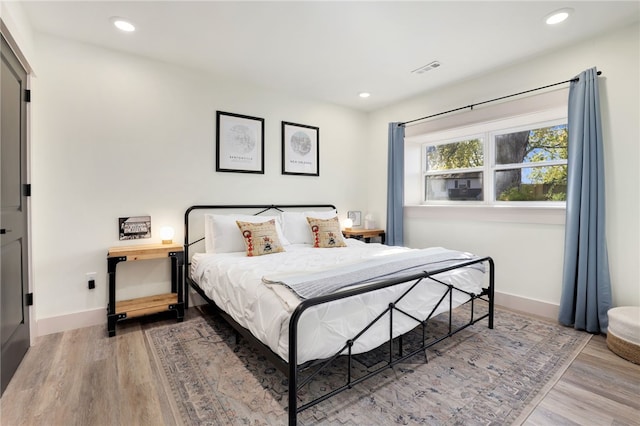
(235, 283)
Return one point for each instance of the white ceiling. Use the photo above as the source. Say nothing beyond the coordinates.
(331, 51)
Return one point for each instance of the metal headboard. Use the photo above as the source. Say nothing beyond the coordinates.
(257, 209)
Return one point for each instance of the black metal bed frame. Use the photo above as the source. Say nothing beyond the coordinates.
(291, 367)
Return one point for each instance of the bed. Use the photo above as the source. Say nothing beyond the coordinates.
(311, 297)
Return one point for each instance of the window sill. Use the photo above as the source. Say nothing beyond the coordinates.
(548, 215)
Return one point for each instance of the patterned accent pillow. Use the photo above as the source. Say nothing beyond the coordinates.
(296, 228)
(326, 232)
(260, 238)
(221, 231)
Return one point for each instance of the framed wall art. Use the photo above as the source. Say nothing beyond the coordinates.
(239, 143)
(300, 149)
(134, 227)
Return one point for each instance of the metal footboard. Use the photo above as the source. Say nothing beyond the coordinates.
(487, 295)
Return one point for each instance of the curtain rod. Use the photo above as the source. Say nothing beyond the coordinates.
(492, 100)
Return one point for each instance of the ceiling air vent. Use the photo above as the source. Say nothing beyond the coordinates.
(428, 67)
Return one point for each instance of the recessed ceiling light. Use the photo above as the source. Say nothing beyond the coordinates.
(557, 16)
(122, 24)
(364, 94)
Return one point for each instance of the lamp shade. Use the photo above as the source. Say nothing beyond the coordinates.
(166, 233)
(347, 223)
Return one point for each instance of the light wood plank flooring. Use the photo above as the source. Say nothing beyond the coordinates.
(82, 377)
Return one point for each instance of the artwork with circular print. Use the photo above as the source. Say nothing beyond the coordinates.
(241, 139)
(301, 143)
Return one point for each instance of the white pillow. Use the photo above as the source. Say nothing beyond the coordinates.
(222, 235)
(296, 228)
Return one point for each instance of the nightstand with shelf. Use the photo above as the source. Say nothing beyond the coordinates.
(124, 309)
(365, 234)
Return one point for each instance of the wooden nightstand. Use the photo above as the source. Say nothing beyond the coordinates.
(364, 234)
(120, 310)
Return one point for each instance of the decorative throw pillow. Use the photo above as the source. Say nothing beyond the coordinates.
(326, 232)
(296, 228)
(221, 231)
(260, 238)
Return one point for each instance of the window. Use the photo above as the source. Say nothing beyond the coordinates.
(511, 161)
(531, 164)
(453, 170)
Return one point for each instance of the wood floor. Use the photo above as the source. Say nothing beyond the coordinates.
(82, 377)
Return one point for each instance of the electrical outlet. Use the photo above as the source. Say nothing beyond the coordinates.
(91, 280)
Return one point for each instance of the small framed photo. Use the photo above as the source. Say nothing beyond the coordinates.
(300, 149)
(134, 227)
(239, 143)
(356, 217)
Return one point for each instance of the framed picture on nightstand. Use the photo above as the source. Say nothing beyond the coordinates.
(356, 217)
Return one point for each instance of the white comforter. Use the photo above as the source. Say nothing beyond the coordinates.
(235, 283)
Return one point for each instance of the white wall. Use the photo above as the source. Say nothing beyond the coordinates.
(117, 135)
(19, 30)
(529, 256)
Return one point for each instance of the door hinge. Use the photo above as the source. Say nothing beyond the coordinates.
(26, 190)
(27, 95)
(29, 299)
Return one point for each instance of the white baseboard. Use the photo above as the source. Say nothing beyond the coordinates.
(67, 322)
(528, 306)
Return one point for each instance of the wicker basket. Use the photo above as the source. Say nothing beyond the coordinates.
(623, 348)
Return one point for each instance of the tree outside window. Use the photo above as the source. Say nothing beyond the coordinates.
(538, 165)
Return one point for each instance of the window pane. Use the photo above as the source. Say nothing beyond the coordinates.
(457, 155)
(532, 184)
(454, 186)
(531, 146)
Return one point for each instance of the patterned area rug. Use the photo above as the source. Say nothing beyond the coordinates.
(478, 376)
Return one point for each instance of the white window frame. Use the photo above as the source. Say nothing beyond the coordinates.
(425, 172)
(497, 167)
(547, 212)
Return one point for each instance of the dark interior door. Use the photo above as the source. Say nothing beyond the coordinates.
(14, 313)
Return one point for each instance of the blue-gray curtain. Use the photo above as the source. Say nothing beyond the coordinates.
(395, 185)
(586, 286)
